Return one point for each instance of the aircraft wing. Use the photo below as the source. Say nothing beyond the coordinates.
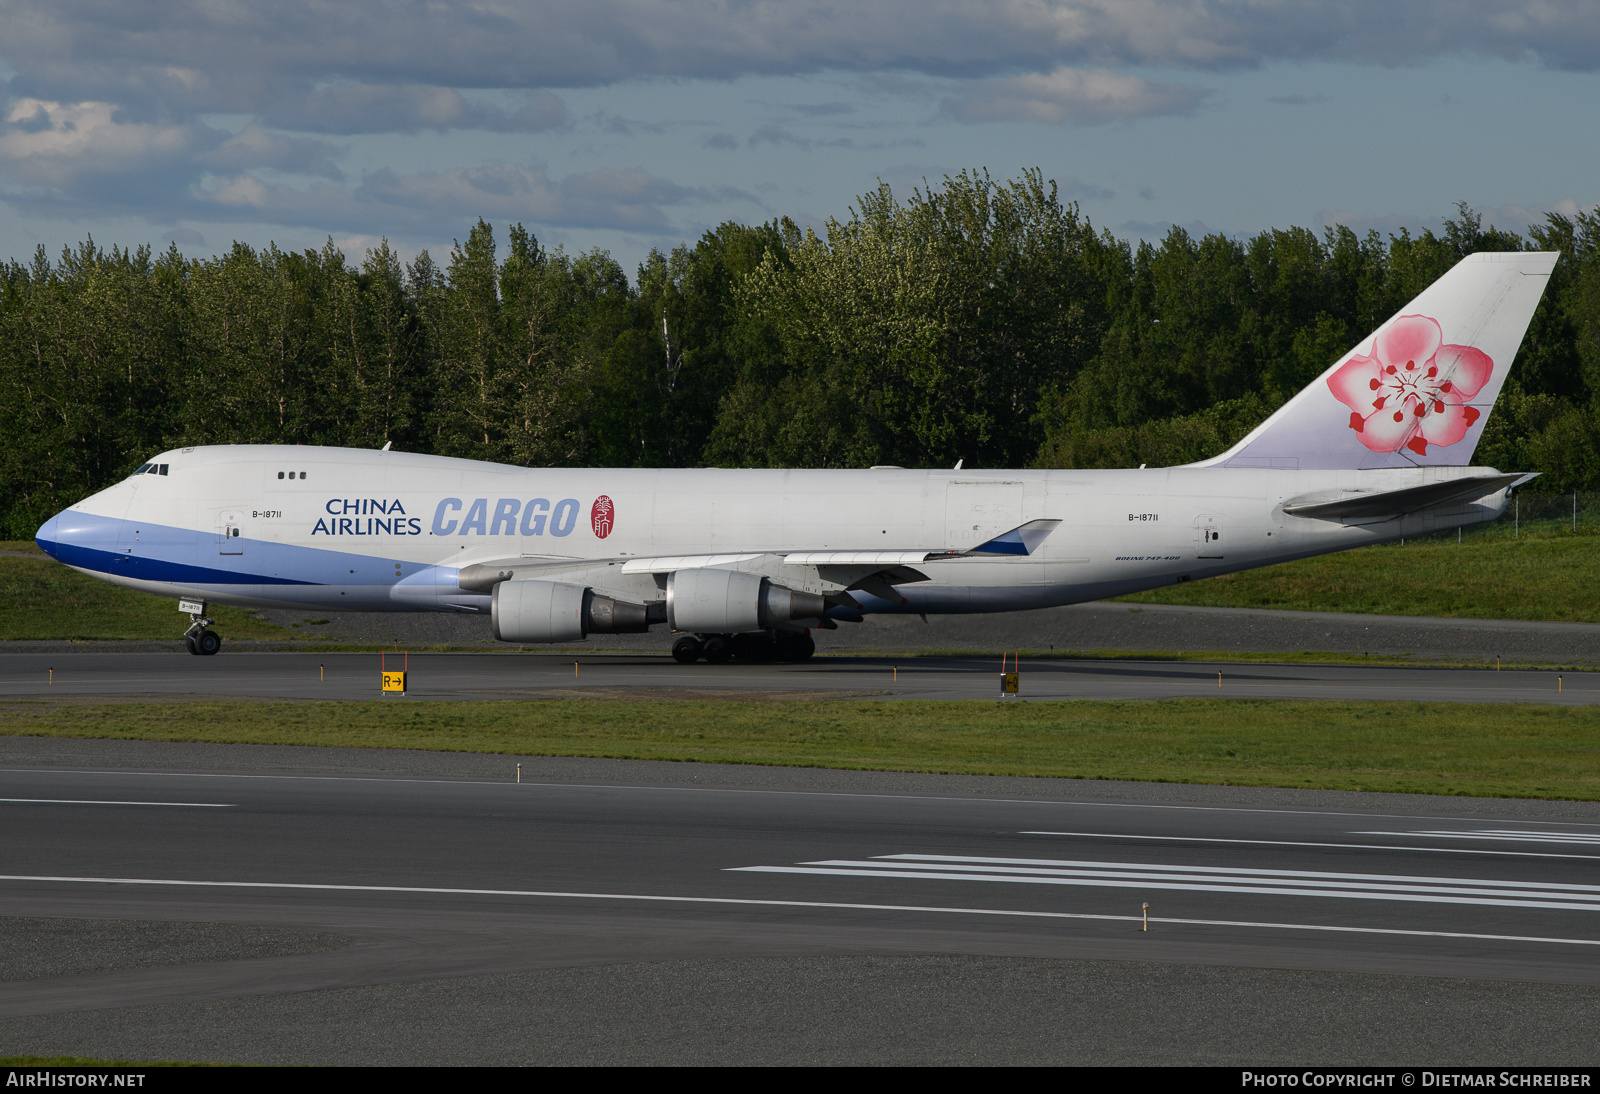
(872, 570)
(1022, 540)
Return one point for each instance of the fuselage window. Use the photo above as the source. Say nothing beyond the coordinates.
(280, 474)
(302, 474)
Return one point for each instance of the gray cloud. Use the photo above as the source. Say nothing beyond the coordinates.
(201, 55)
(777, 134)
(407, 108)
(431, 203)
(106, 103)
(89, 157)
(1079, 190)
(822, 110)
(1070, 95)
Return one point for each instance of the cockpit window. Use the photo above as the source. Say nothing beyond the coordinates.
(143, 467)
(164, 468)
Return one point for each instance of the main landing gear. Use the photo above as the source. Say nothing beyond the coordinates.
(200, 638)
(757, 647)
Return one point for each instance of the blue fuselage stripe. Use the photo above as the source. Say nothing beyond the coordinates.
(145, 568)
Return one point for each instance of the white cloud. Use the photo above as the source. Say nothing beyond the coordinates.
(84, 155)
(49, 143)
(1070, 95)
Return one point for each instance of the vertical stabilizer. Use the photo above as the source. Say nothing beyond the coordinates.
(1417, 391)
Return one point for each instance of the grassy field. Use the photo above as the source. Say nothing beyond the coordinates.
(42, 599)
(1431, 748)
(1550, 576)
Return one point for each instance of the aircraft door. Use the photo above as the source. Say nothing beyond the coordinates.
(977, 511)
(1208, 537)
(230, 532)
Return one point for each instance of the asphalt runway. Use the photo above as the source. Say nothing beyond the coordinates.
(114, 675)
(334, 906)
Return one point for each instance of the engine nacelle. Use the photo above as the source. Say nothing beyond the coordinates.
(728, 601)
(548, 611)
(537, 611)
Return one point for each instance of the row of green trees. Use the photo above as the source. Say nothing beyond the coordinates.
(982, 320)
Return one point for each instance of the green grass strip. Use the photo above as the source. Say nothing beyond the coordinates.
(41, 599)
(1489, 749)
(1550, 576)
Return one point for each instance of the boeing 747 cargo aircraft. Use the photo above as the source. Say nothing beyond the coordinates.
(746, 563)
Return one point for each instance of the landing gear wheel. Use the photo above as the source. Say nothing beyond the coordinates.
(686, 650)
(207, 643)
(188, 640)
(796, 647)
(718, 650)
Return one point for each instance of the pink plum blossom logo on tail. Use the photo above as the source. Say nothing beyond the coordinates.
(1413, 390)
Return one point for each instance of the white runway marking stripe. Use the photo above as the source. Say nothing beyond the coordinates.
(1505, 835)
(748, 902)
(1305, 843)
(87, 801)
(1206, 879)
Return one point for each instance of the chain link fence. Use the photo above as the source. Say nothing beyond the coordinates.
(1575, 513)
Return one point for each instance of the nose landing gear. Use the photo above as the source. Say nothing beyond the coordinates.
(199, 638)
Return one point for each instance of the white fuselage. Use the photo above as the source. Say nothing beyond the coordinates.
(356, 530)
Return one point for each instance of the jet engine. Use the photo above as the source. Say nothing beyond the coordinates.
(548, 611)
(727, 601)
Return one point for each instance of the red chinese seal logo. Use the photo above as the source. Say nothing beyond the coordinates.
(601, 515)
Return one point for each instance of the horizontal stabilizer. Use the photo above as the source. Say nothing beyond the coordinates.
(1388, 504)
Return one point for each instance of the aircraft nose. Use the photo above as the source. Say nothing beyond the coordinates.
(49, 535)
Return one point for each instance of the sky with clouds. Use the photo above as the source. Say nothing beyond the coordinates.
(632, 124)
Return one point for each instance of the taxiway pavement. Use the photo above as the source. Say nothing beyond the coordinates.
(113, 675)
